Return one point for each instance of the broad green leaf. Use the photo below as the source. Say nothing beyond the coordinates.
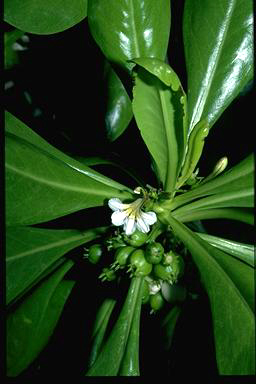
(168, 325)
(31, 251)
(233, 319)
(218, 41)
(43, 184)
(16, 127)
(119, 107)
(194, 151)
(44, 17)
(245, 215)
(161, 70)
(31, 324)
(238, 178)
(240, 273)
(109, 361)
(130, 365)
(99, 329)
(161, 118)
(126, 29)
(244, 252)
(113, 161)
(243, 198)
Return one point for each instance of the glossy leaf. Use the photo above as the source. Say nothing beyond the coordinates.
(16, 127)
(233, 319)
(240, 273)
(100, 327)
(43, 183)
(130, 365)
(243, 198)
(244, 252)
(218, 41)
(31, 325)
(31, 251)
(44, 17)
(161, 70)
(245, 215)
(115, 162)
(126, 29)
(238, 178)
(161, 117)
(168, 325)
(194, 151)
(119, 107)
(109, 360)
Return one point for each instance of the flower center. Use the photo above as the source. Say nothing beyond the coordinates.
(133, 209)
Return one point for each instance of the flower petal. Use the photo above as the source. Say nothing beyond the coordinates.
(129, 226)
(118, 218)
(149, 217)
(115, 204)
(142, 225)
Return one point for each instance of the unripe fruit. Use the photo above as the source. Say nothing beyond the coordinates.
(156, 301)
(154, 252)
(139, 264)
(95, 253)
(136, 239)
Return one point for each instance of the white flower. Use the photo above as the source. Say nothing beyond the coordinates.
(153, 285)
(131, 216)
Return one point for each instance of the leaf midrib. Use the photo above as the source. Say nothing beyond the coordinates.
(199, 107)
(45, 247)
(134, 31)
(214, 264)
(44, 309)
(215, 199)
(167, 135)
(63, 186)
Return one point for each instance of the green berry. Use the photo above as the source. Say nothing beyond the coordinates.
(95, 253)
(154, 252)
(136, 239)
(156, 301)
(139, 264)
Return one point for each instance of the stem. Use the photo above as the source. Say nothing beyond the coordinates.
(156, 231)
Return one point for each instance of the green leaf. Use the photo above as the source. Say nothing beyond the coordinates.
(99, 329)
(168, 325)
(218, 41)
(244, 252)
(126, 29)
(115, 162)
(119, 107)
(16, 127)
(244, 215)
(161, 70)
(243, 198)
(240, 273)
(161, 117)
(31, 324)
(194, 151)
(43, 183)
(233, 319)
(238, 178)
(109, 360)
(31, 251)
(130, 363)
(44, 17)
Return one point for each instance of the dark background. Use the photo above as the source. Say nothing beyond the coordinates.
(59, 92)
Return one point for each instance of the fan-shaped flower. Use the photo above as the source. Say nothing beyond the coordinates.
(131, 216)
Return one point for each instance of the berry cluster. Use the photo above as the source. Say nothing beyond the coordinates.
(138, 255)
